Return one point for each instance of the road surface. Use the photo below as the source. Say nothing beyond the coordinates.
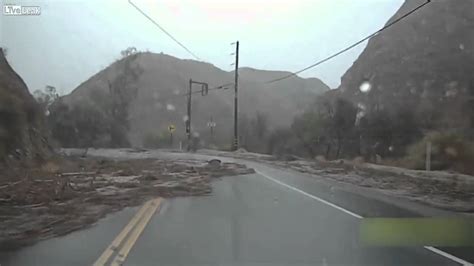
(272, 217)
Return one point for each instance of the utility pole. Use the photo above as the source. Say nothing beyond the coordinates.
(236, 100)
(204, 91)
(188, 121)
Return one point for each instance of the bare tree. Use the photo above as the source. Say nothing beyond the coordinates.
(129, 51)
(46, 97)
(343, 122)
(123, 89)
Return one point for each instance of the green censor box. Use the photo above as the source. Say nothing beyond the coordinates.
(441, 232)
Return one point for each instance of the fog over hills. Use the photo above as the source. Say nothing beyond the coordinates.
(423, 65)
(164, 80)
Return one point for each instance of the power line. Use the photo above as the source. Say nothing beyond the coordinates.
(220, 87)
(163, 30)
(351, 46)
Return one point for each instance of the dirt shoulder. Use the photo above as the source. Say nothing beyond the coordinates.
(440, 189)
(68, 194)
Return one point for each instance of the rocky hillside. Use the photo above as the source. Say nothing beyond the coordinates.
(423, 65)
(164, 79)
(22, 133)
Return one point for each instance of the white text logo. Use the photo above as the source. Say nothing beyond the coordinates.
(17, 10)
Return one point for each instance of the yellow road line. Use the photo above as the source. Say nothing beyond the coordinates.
(121, 236)
(123, 253)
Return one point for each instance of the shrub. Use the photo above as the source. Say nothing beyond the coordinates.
(13, 119)
(450, 151)
(81, 126)
(226, 147)
(155, 141)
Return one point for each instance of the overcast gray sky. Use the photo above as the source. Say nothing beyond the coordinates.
(73, 39)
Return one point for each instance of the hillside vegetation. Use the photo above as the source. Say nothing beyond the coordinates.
(22, 131)
(143, 93)
(412, 84)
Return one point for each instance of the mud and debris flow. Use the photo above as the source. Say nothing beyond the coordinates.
(70, 194)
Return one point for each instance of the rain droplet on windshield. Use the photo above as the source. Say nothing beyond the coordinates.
(360, 113)
(46, 113)
(156, 95)
(196, 134)
(170, 107)
(365, 87)
(185, 118)
(176, 92)
(461, 46)
(451, 93)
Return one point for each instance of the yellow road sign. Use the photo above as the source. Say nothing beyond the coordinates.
(171, 128)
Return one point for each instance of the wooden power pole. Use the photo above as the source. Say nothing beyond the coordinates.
(236, 98)
(188, 121)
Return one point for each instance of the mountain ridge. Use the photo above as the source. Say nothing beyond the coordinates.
(22, 131)
(165, 80)
(423, 64)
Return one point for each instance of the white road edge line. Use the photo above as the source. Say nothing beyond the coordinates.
(309, 195)
(449, 256)
(432, 249)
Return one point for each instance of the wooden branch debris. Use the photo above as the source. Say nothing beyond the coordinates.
(78, 173)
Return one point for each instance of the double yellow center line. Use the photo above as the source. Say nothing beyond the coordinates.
(137, 224)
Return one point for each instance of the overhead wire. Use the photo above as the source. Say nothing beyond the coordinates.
(220, 87)
(293, 73)
(180, 44)
(351, 46)
(163, 30)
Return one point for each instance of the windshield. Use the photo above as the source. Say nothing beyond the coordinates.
(236, 132)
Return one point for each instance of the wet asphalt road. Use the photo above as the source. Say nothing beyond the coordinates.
(248, 220)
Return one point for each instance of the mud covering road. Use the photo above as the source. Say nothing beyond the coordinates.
(70, 194)
(440, 189)
(273, 217)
